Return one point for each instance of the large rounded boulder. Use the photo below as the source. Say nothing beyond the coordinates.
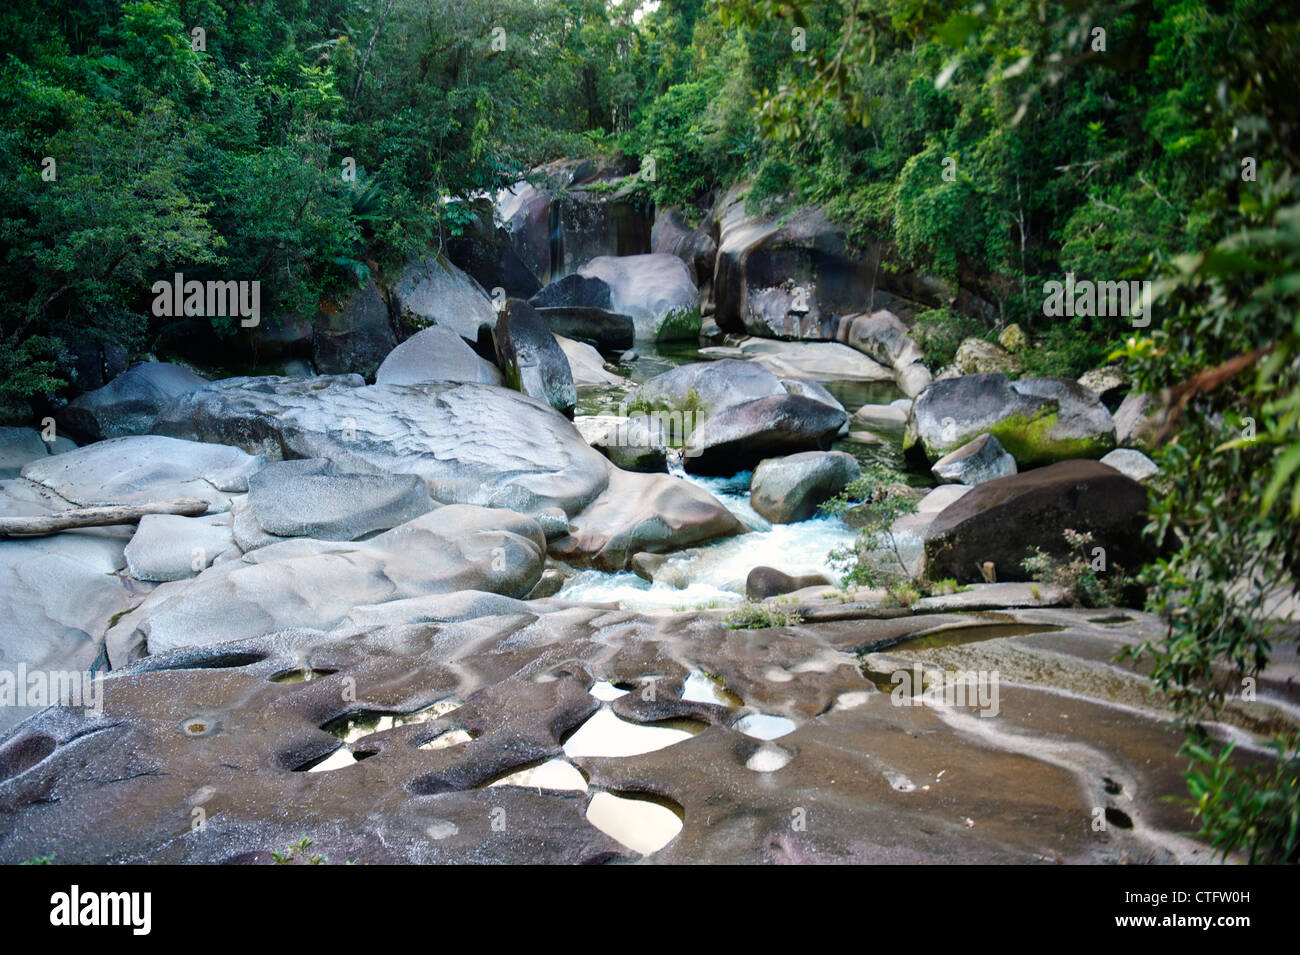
(790, 489)
(532, 359)
(1036, 420)
(1004, 520)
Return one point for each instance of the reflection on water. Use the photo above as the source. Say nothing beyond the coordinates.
(639, 824)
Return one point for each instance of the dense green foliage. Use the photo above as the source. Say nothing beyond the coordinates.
(232, 157)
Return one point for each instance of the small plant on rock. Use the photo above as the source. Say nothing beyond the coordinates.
(759, 616)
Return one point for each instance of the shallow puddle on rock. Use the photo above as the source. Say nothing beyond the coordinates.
(605, 734)
(364, 724)
(300, 675)
(338, 759)
(552, 774)
(640, 824)
(768, 759)
(764, 726)
(955, 636)
(605, 691)
(700, 688)
(447, 740)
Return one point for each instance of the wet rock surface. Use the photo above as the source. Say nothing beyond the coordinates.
(858, 772)
(790, 489)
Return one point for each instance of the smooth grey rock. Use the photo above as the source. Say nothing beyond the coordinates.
(587, 367)
(144, 468)
(717, 385)
(471, 443)
(742, 435)
(881, 419)
(532, 359)
(764, 582)
(317, 584)
(1131, 463)
(435, 354)
(57, 596)
(818, 361)
(1134, 420)
(19, 447)
(974, 463)
(129, 403)
(656, 290)
(432, 291)
(644, 512)
(170, 547)
(787, 490)
(315, 498)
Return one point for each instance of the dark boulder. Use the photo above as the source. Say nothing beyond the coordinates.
(532, 359)
(1002, 520)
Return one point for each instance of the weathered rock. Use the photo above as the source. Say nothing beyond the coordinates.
(315, 498)
(792, 279)
(167, 547)
(1001, 521)
(532, 359)
(644, 512)
(764, 582)
(1012, 338)
(435, 354)
(472, 444)
(882, 336)
(810, 389)
(1036, 420)
(1130, 463)
(608, 331)
(282, 338)
(353, 338)
(656, 290)
(975, 356)
(313, 583)
(432, 291)
(1109, 383)
(525, 211)
(227, 718)
(981, 460)
(636, 443)
(130, 403)
(19, 447)
(742, 435)
(587, 367)
(787, 490)
(144, 468)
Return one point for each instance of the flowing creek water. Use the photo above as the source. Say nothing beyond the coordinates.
(713, 575)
